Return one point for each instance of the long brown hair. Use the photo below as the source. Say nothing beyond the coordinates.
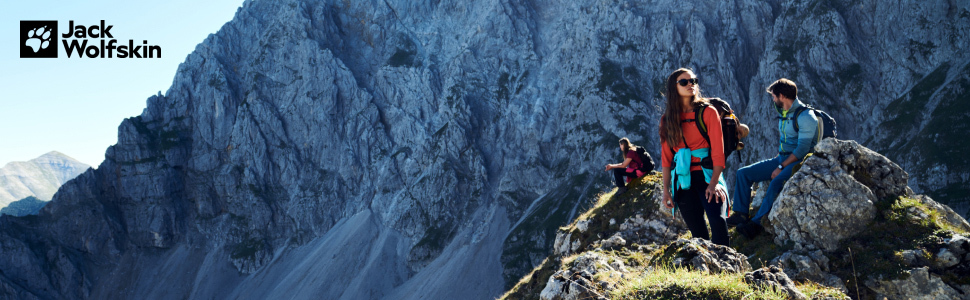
(629, 146)
(670, 130)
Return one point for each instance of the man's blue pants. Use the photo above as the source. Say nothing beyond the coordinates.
(758, 172)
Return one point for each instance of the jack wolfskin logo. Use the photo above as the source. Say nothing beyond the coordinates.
(38, 39)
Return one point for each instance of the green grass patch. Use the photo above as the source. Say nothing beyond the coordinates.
(532, 284)
(551, 215)
(668, 283)
(609, 206)
(677, 283)
(760, 250)
(955, 192)
(876, 252)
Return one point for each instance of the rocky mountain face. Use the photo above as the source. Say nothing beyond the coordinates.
(406, 149)
(39, 177)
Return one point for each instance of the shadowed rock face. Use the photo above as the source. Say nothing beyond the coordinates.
(23, 207)
(436, 145)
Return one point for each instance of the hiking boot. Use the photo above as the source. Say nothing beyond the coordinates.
(621, 190)
(750, 229)
(737, 218)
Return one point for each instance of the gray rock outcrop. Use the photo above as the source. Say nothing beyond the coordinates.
(834, 193)
(774, 278)
(812, 266)
(949, 215)
(702, 255)
(577, 281)
(918, 284)
(653, 226)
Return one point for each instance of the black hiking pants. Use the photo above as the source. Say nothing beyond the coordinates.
(618, 174)
(693, 205)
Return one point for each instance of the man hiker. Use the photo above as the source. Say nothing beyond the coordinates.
(792, 149)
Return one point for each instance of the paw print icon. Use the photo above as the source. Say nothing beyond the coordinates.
(38, 39)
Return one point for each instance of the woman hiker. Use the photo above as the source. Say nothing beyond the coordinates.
(629, 168)
(691, 166)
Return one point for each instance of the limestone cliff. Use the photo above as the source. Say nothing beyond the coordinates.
(404, 149)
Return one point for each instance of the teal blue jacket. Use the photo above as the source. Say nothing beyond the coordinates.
(798, 143)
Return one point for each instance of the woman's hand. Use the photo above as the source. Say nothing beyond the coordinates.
(714, 193)
(608, 167)
(668, 201)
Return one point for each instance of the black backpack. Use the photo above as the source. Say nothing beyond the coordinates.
(827, 126)
(646, 162)
(729, 125)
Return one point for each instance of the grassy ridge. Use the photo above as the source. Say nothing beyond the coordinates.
(902, 224)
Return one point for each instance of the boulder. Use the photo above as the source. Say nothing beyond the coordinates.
(577, 281)
(582, 226)
(561, 245)
(959, 245)
(564, 244)
(562, 286)
(773, 278)
(613, 242)
(918, 285)
(833, 195)
(813, 266)
(915, 257)
(702, 255)
(946, 258)
(656, 228)
(885, 178)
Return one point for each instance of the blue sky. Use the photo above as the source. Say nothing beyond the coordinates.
(74, 105)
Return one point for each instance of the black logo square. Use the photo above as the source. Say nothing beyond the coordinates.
(38, 39)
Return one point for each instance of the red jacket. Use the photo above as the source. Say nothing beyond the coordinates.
(695, 140)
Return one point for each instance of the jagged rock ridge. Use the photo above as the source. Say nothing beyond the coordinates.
(908, 247)
(429, 149)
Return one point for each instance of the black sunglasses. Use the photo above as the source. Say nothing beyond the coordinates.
(683, 82)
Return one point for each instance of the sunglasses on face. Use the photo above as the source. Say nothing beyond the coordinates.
(684, 82)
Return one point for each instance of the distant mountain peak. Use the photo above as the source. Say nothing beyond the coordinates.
(39, 177)
(57, 155)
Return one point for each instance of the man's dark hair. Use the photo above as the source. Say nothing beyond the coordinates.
(784, 87)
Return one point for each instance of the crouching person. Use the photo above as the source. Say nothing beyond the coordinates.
(636, 163)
